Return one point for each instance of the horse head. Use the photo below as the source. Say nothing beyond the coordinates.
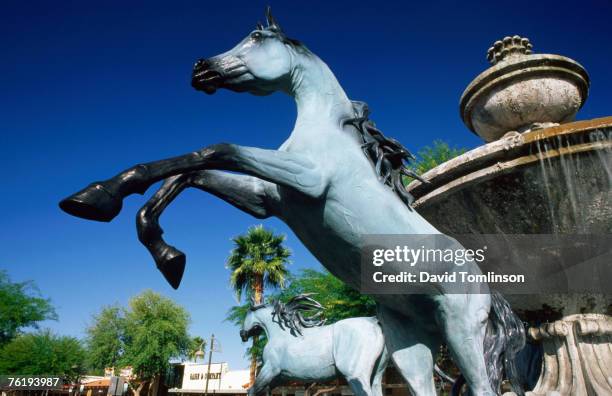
(260, 64)
(254, 320)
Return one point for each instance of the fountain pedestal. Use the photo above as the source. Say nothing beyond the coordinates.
(577, 356)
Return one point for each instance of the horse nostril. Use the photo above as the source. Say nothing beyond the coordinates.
(202, 63)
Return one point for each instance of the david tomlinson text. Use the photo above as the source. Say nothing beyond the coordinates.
(453, 277)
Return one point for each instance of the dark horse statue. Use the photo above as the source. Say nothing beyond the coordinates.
(335, 179)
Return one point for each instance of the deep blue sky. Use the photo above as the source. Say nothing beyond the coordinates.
(90, 88)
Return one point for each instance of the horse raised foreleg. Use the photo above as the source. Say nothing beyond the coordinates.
(265, 377)
(251, 195)
(102, 201)
(379, 372)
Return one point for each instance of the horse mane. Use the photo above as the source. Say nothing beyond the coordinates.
(291, 315)
(387, 155)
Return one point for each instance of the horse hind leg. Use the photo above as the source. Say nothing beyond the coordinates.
(411, 350)
(415, 364)
(463, 324)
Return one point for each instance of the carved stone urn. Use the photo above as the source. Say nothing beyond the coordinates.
(522, 90)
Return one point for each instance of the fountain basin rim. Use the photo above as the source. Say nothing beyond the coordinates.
(502, 155)
(506, 167)
(521, 69)
(587, 324)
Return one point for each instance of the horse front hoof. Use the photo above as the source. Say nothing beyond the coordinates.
(94, 202)
(171, 263)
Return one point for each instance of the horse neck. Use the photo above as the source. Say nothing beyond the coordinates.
(318, 95)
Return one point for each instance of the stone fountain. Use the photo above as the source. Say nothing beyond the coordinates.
(538, 173)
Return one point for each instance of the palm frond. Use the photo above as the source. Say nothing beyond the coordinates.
(259, 255)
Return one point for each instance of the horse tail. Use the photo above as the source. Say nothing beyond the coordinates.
(443, 376)
(504, 339)
(457, 385)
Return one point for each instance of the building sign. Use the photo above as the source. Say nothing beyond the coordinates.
(126, 372)
(195, 375)
(211, 376)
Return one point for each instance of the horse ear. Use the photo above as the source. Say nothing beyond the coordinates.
(254, 306)
(259, 26)
(272, 24)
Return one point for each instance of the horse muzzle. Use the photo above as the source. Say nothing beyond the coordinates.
(253, 331)
(205, 78)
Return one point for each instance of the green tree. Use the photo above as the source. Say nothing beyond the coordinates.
(431, 156)
(21, 306)
(258, 260)
(146, 335)
(105, 339)
(156, 331)
(41, 353)
(339, 300)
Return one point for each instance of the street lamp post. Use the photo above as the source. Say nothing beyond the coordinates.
(212, 346)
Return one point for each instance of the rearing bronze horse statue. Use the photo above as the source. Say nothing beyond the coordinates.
(333, 180)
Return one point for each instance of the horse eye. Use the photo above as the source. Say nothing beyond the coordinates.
(256, 35)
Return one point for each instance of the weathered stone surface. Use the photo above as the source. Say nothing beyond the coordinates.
(577, 356)
(555, 180)
(552, 180)
(563, 194)
(509, 47)
(522, 89)
(518, 105)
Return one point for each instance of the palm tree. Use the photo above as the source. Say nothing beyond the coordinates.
(258, 260)
(197, 346)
